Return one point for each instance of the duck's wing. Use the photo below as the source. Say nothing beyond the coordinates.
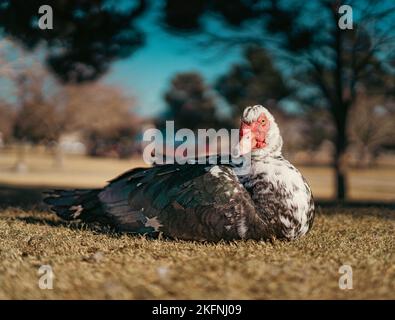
(192, 202)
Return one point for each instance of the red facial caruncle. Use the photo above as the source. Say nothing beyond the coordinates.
(253, 135)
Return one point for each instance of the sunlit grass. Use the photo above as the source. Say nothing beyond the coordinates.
(94, 263)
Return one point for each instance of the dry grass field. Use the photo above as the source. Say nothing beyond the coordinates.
(91, 262)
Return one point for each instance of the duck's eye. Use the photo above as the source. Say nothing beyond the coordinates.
(263, 121)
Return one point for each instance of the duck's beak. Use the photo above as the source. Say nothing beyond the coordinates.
(247, 141)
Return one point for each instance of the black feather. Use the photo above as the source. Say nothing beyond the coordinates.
(75, 204)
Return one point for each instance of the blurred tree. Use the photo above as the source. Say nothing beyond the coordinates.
(31, 94)
(306, 38)
(190, 103)
(86, 36)
(372, 126)
(316, 129)
(37, 120)
(102, 114)
(7, 117)
(255, 80)
(45, 109)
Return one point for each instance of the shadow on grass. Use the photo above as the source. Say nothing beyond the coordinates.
(73, 225)
(21, 197)
(39, 220)
(80, 226)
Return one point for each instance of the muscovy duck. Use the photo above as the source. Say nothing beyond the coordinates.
(205, 202)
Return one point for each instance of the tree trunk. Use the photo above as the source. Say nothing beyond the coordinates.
(340, 162)
(340, 109)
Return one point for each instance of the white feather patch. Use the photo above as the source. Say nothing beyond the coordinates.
(154, 223)
(242, 227)
(77, 210)
(215, 171)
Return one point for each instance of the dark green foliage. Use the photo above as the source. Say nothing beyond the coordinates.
(190, 102)
(257, 81)
(90, 34)
(181, 15)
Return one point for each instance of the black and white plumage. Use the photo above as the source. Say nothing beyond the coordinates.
(204, 201)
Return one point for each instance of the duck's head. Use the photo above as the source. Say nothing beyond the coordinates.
(259, 133)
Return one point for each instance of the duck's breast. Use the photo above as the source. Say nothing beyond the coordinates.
(282, 197)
